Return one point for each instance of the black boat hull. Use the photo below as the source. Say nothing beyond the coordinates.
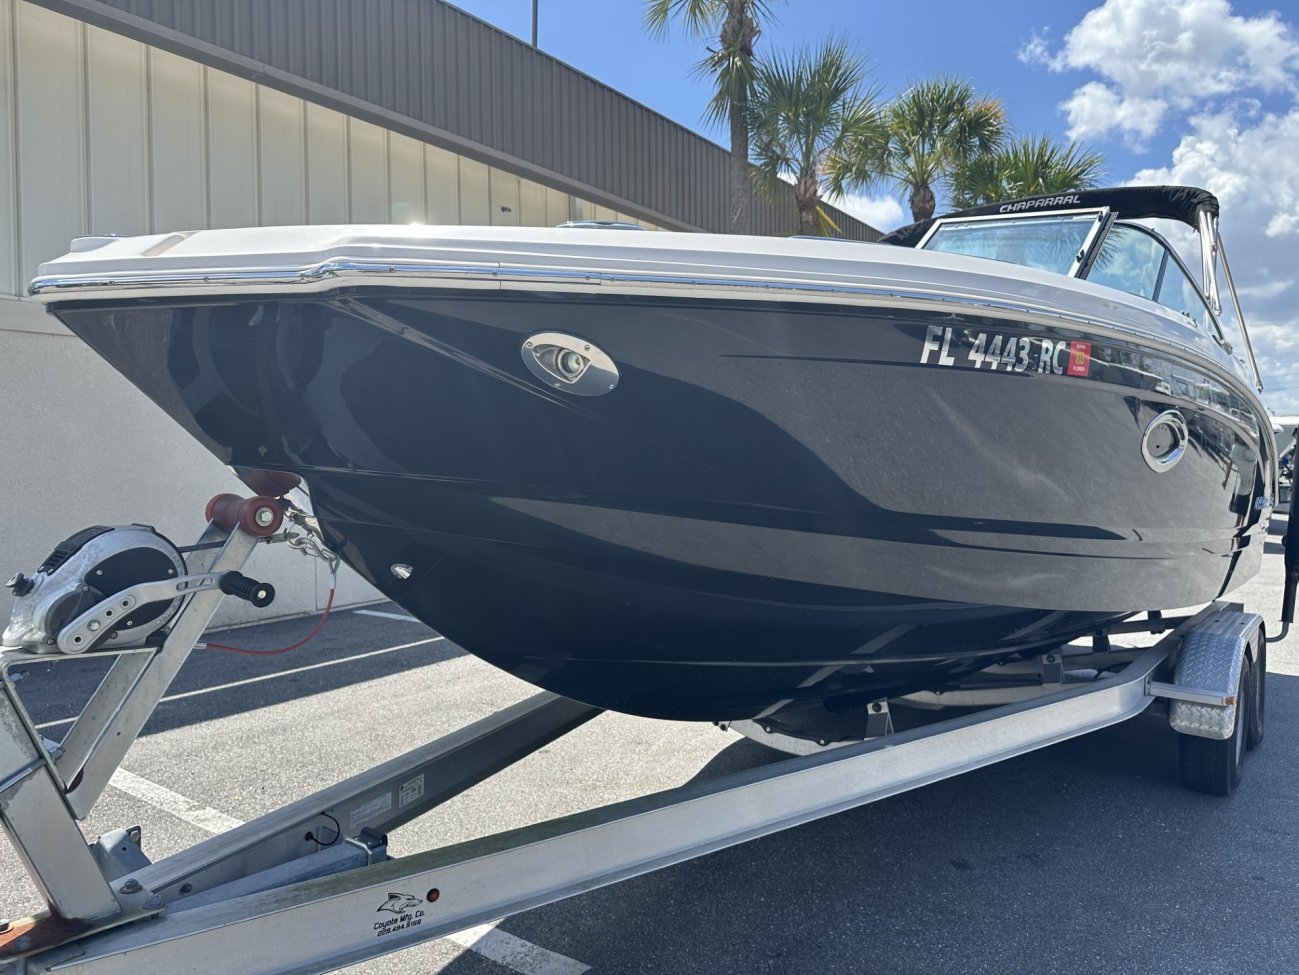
(779, 501)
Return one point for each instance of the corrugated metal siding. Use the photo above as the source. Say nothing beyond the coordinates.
(103, 134)
(442, 76)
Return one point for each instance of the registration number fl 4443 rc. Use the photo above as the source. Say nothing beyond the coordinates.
(965, 348)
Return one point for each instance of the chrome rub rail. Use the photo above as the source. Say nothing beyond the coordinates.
(53, 289)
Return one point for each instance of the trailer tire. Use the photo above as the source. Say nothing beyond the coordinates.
(1258, 699)
(1215, 765)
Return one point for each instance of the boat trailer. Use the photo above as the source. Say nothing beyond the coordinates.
(311, 887)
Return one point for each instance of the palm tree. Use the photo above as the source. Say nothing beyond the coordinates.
(736, 25)
(934, 129)
(1028, 166)
(807, 111)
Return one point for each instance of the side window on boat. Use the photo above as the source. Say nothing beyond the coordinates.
(1049, 243)
(1137, 261)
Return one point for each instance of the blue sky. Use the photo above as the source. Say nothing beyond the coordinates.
(1197, 91)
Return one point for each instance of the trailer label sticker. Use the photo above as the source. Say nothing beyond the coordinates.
(411, 790)
(947, 346)
(406, 912)
(377, 805)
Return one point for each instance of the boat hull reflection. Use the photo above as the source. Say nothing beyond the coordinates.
(779, 501)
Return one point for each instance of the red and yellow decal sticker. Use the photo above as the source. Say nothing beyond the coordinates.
(1080, 358)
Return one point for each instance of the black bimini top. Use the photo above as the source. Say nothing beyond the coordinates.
(1182, 203)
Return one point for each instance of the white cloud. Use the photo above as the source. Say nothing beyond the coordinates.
(1263, 290)
(1153, 54)
(1037, 49)
(1096, 108)
(881, 212)
(1245, 157)
(1276, 344)
(1249, 164)
(1197, 68)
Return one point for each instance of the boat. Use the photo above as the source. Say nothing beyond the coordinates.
(709, 477)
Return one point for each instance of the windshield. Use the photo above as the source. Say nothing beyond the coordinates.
(1050, 242)
(1137, 260)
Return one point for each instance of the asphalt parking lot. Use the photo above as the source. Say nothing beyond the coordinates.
(1084, 857)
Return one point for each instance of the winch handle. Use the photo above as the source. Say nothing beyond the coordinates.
(260, 594)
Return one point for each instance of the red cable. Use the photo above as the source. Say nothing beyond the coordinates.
(271, 653)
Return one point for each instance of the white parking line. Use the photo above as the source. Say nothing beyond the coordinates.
(163, 798)
(485, 939)
(257, 680)
(522, 956)
(388, 616)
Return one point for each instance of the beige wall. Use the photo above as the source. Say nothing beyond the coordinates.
(101, 134)
(79, 448)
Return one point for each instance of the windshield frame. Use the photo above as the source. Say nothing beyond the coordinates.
(1171, 251)
(1102, 220)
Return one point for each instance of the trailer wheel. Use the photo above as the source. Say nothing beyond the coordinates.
(1213, 765)
(1258, 700)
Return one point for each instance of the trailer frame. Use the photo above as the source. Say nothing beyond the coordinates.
(310, 887)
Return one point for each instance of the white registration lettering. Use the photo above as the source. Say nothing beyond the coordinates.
(944, 355)
(1044, 362)
(1025, 345)
(1056, 365)
(976, 350)
(994, 352)
(937, 339)
(933, 342)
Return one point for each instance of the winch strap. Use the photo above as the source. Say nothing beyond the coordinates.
(69, 547)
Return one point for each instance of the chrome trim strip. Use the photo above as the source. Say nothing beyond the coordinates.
(1235, 302)
(199, 282)
(1208, 244)
(319, 277)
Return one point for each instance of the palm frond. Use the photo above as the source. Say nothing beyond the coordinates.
(825, 223)
(699, 17)
(807, 113)
(734, 27)
(733, 73)
(1028, 166)
(936, 127)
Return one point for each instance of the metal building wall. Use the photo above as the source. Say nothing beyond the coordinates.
(98, 131)
(432, 70)
(103, 134)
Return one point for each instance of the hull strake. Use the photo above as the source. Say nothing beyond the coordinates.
(778, 501)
